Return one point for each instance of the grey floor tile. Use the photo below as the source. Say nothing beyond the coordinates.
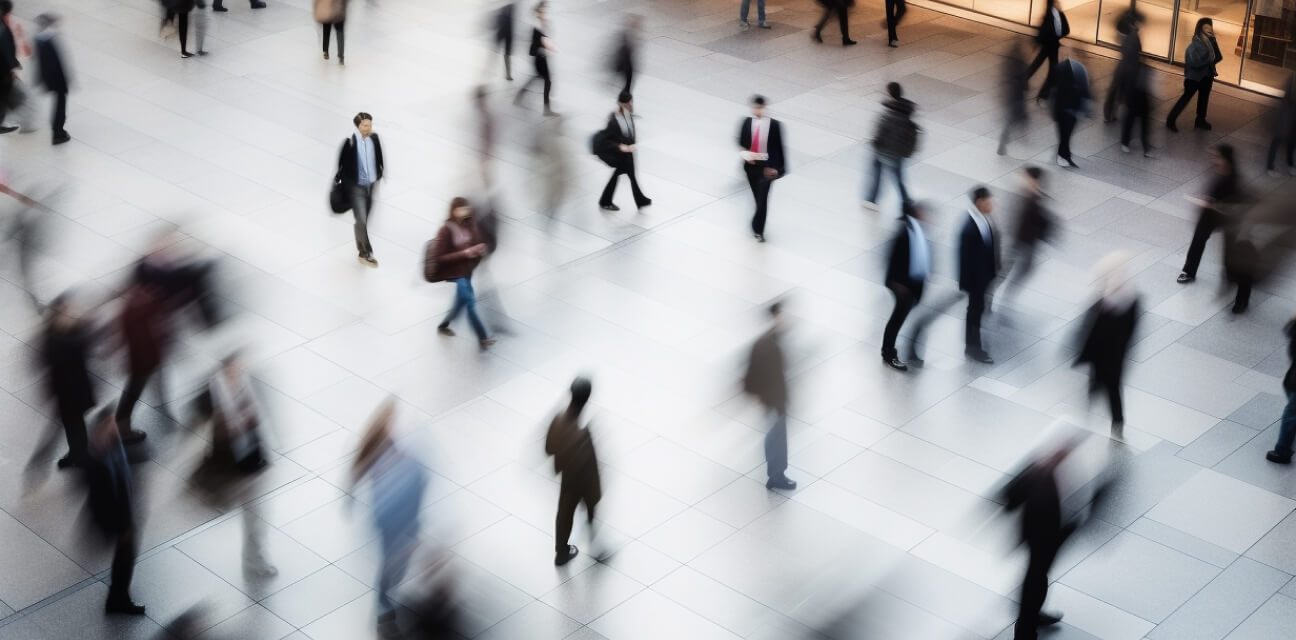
(1224, 603)
(1166, 578)
(1270, 621)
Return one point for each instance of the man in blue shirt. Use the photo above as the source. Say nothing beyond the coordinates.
(360, 167)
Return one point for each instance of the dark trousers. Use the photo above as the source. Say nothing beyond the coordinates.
(1108, 380)
(896, 167)
(627, 167)
(506, 46)
(1022, 265)
(6, 85)
(776, 448)
(1288, 145)
(74, 427)
(972, 325)
(123, 566)
(131, 395)
(840, 9)
(58, 119)
(1287, 428)
(1113, 98)
(895, 10)
(1137, 110)
(1034, 590)
(760, 188)
(181, 19)
(571, 493)
(542, 73)
(1207, 222)
(1049, 54)
(628, 72)
(906, 298)
(329, 27)
(362, 209)
(1066, 123)
(1200, 87)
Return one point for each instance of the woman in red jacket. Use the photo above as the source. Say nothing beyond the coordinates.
(456, 251)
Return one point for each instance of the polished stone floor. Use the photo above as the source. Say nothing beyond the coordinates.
(894, 531)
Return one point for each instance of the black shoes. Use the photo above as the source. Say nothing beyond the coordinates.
(445, 330)
(132, 436)
(563, 557)
(647, 202)
(1047, 619)
(1171, 126)
(1274, 456)
(1184, 278)
(848, 42)
(67, 462)
(123, 606)
(60, 138)
(219, 9)
(257, 4)
(895, 363)
(760, 237)
(979, 355)
(4, 130)
(816, 37)
(1203, 125)
(609, 207)
(1240, 307)
(781, 483)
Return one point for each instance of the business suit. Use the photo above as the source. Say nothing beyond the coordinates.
(905, 279)
(771, 143)
(1049, 39)
(1035, 492)
(54, 77)
(1070, 101)
(620, 130)
(576, 460)
(766, 379)
(978, 266)
(361, 195)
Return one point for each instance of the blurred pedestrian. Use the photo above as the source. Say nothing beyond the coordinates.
(53, 73)
(359, 168)
(10, 90)
(1282, 127)
(760, 15)
(487, 215)
(1071, 100)
(486, 128)
(503, 26)
(625, 57)
(1110, 331)
(111, 504)
(908, 265)
(1053, 27)
(616, 146)
(552, 165)
(1200, 58)
(201, 23)
(331, 14)
(452, 256)
(766, 380)
(65, 352)
(177, 14)
(1282, 451)
(761, 142)
(1015, 82)
(28, 233)
(895, 12)
(397, 482)
(1035, 224)
(1138, 98)
(894, 141)
(575, 460)
(830, 7)
(1224, 188)
(146, 329)
(1128, 27)
(1241, 260)
(541, 47)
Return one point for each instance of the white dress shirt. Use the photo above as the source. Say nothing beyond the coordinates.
(982, 224)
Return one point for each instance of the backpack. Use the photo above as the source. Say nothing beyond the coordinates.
(430, 262)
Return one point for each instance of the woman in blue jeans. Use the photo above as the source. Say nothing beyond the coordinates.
(452, 257)
(1282, 452)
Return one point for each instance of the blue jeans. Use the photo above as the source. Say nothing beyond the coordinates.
(896, 167)
(465, 298)
(1287, 429)
(760, 11)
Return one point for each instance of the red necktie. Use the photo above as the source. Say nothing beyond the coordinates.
(755, 146)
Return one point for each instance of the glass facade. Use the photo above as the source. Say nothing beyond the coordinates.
(1256, 37)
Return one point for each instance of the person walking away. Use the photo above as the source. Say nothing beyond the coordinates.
(760, 139)
(111, 504)
(503, 24)
(1282, 124)
(1128, 26)
(1224, 188)
(617, 150)
(360, 167)
(541, 47)
(894, 141)
(145, 326)
(1111, 324)
(839, 7)
(486, 130)
(908, 266)
(1282, 451)
(1200, 58)
(1035, 224)
(331, 14)
(625, 58)
(895, 12)
(10, 93)
(1137, 95)
(65, 352)
(576, 462)
(452, 256)
(760, 15)
(1052, 29)
(766, 380)
(1071, 100)
(177, 13)
(53, 74)
(397, 484)
(1015, 82)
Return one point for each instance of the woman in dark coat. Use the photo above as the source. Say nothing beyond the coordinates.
(1199, 74)
(177, 11)
(1112, 321)
(453, 256)
(65, 351)
(1223, 188)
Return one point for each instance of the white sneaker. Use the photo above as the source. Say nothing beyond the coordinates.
(744, 25)
(1061, 162)
(1124, 148)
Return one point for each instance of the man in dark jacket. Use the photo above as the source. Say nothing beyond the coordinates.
(575, 460)
(1052, 29)
(760, 139)
(111, 503)
(65, 351)
(1111, 325)
(1282, 451)
(53, 74)
(360, 167)
(1034, 225)
(1131, 51)
(1015, 82)
(766, 379)
(8, 63)
(1070, 101)
(895, 141)
(908, 265)
(617, 149)
(839, 7)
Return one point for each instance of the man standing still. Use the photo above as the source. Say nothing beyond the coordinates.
(572, 449)
(53, 74)
(907, 269)
(618, 151)
(761, 141)
(760, 15)
(766, 379)
(360, 167)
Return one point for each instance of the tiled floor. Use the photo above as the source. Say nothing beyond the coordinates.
(893, 533)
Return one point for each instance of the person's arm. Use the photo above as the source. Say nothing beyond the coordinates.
(442, 242)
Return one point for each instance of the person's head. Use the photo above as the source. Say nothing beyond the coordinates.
(1205, 27)
(895, 91)
(46, 21)
(1032, 178)
(758, 105)
(460, 209)
(981, 200)
(6, 6)
(775, 311)
(1222, 159)
(363, 123)
(541, 8)
(581, 388)
(376, 439)
(625, 101)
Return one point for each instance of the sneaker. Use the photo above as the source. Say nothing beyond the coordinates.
(1203, 125)
(4, 130)
(1061, 162)
(1274, 456)
(744, 25)
(765, 25)
(445, 330)
(485, 344)
(894, 44)
(1184, 278)
(847, 43)
(1125, 148)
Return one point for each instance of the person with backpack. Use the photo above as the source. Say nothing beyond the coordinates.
(895, 141)
(452, 256)
(359, 168)
(615, 146)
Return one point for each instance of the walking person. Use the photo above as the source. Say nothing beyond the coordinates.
(908, 265)
(1035, 225)
(177, 13)
(1282, 124)
(331, 14)
(397, 484)
(53, 74)
(503, 25)
(895, 11)
(1200, 58)
(1282, 451)
(760, 139)
(452, 256)
(894, 141)
(552, 164)
(9, 67)
(625, 58)
(830, 7)
(1224, 188)
(1137, 95)
(1052, 29)
(1071, 99)
(65, 353)
(1015, 82)
(576, 462)
(541, 47)
(486, 129)
(617, 150)
(1128, 26)
(112, 507)
(1111, 324)
(760, 15)
(146, 328)
(766, 380)
(359, 168)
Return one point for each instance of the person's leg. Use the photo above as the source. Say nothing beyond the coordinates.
(465, 291)
(568, 499)
(1034, 590)
(904, 303)
(1189, 90)
(1206, 223)
(1203, 100)
(1112, 381)
(1243, 298)
(743, 10)
(1109, 103)
(776, 449)
(508, 57)
(843, 22)
(74, 428)
(1145, 119)
(629, 79)
(972, 328)
(328, 30)
(641, 200)
(823, 20)
(760, 189)
(898, 169)
(1050, 76)
(1040, 58)
(1274, 143)
(891, 20)
(130, 395)
(548, 80)
(58, 119)
(760, 11)
(1287, 429)
(361, 200)
(341, 34)
(182, 27)
(900, 11)
(609, 191)
(387, 570)
(456, 307)
(123, 568)
(875, 181)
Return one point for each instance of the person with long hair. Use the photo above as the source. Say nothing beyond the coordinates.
(1199, 74)
(1223, 188)
(452, 256)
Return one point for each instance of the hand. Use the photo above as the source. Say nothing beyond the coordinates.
(771, 173)
(626, 148)
(479, 250)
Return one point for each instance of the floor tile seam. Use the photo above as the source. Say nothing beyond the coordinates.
(1250, 612)
(690, 607)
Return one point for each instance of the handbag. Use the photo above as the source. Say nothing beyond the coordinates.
(430, 263)
(339, 199)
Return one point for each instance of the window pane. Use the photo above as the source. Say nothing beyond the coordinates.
(1270, 50)
(1228, 16)
(1156, 28)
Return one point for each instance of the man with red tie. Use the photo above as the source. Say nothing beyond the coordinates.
(761, 142)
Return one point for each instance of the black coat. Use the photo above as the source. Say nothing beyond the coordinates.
(1109, 337)
(1289, 380)
(978, 261)
(1071, 93)
(1034, 223)
(8, 55)
(349, 164)
(49, 64)
(1035, 492)
(898, 261)
(611, 136)
(65, 355)
(1048, 36)
(537, 43)
(773, 144)
(623, 60)
(504, 23)
(111, 503)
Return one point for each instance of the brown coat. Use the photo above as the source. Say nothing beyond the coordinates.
(572, 448)
(448, 260)
(144, 328)
(767, 373)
